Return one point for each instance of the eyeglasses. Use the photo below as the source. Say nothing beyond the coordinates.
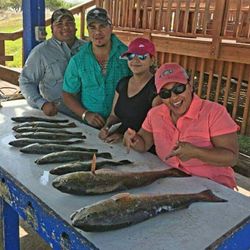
(177, 89)
(131, 56)
(97, 14)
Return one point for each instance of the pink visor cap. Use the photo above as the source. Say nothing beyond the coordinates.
(168, 73)
(140, 46)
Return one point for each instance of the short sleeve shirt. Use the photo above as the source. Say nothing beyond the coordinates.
(203, 120)
(132, 110)
(84, 74)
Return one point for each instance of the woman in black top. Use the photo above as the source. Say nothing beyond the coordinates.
(135, 94)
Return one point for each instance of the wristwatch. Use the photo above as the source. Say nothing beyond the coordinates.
(84, 114)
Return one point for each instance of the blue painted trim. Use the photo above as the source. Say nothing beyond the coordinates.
(239, 239)
(10, 227)
(49, 225)
(33, 15)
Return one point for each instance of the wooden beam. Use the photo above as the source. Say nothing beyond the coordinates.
(9, 75)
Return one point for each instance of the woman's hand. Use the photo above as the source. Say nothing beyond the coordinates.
(103, 134)
(113, 138)
(184, 151)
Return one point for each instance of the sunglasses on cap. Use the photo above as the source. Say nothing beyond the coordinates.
(177, 89)
(140, 57)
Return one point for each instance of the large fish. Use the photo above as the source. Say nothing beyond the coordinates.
(66, 156)
(42, 129)
(85, 166)
(106, 180)
(35, 118)
(123, 210)
(24, 142)
(49, 136)
(45, 125)
(37, 148)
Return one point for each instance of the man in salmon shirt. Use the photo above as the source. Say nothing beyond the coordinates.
(194, 135)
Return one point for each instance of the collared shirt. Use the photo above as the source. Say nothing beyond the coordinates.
(84, 74)
(42, 76)
(203, 120)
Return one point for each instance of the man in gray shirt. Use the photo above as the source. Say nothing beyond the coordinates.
(42, 76)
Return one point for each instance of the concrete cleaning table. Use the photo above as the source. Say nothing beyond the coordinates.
(26, 191)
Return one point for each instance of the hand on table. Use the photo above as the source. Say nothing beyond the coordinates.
(94, 119)
(49, 108)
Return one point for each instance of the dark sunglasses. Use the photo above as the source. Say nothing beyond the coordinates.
(97, 14)
(177, 89)
(140, 57)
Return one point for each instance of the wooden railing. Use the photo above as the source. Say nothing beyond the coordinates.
(209, 38)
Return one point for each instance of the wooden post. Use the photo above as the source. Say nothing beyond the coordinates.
(2, 52)
(217, 28)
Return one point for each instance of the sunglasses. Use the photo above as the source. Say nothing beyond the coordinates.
(131, 56)
(177, 89)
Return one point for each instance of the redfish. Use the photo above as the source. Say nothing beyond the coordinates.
(123, 210)
(106, 180)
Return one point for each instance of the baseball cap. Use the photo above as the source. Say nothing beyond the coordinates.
(140, 46)
(168, 73)
(98, 15)
(59, 14)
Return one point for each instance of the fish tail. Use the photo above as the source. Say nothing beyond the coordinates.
(72, 125)
(207, 195)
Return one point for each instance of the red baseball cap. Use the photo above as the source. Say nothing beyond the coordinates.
(140, 46)
(168, 73)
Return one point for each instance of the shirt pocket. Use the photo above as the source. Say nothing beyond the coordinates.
(55, 71)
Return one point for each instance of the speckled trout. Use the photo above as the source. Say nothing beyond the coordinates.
(35, 118)
(42, 129)
(85, 166)
(123, 210)
(49, 136)
(66, 156)
(24, 142)
(107, 180)
(37, 148)
(45, 125)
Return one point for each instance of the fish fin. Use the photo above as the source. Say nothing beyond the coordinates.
(209, 196)
(120, 196)
(175, 172)
(125, 162)
(93, 164)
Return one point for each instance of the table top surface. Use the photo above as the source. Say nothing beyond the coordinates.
(193, 228)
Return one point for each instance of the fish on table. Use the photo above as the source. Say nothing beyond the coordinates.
(37, 148)
(45, 125)
(123, 210)
(67, 156)
(35, 118)
(24, 142)
(49, 136)
(85, 166)
(107, 180)
(42, 129)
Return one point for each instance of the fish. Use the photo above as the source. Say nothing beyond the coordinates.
(35, 118)
(49, 136)
(44, 125)
(37, 148)
(66, 156)
(42, 129)
(105, 181)
(85, 166)
(24, 142)
(126, 209)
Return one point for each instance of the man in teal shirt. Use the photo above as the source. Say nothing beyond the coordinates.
(95, 71)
